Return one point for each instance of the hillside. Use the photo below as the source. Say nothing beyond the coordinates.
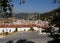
(21, 15)
(26, 15)
(50, 15)
(53, 17)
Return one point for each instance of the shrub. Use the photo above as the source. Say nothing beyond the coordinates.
(6, 33)
(16, 30)
(31, 29)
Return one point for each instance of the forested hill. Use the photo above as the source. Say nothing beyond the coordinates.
(53, 17)
(18, 15)
(50, 15)
(21, 15)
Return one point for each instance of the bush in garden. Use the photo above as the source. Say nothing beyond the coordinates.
(6, 33)
(16, 30)
(31, 29)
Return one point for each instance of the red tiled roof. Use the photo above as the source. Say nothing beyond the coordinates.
(18, 25)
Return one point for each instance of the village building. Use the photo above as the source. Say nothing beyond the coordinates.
(22, 25)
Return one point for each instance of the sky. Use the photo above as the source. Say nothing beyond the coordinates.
(34, 6)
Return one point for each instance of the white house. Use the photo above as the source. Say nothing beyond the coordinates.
(6, 30)
(22, 25)
(23, 29)
(10, 30)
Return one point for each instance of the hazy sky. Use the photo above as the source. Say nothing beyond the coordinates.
(32, 6)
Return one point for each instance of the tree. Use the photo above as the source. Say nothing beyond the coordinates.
(4, 6)
(7, 5)
(31, 29)
(16, 30)
(56, 1)
(56, 19)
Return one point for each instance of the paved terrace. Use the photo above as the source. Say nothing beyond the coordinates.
(30, 37)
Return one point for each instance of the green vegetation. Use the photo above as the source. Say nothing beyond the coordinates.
(53, 17)
(6, 5)
(31, 29)
(16, 30)
(49, 15)
(6, 33)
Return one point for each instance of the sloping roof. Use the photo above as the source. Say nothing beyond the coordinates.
(18, 25)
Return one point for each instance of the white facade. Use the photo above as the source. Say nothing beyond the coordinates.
(23, 29)
(13, 29)
(40, 31)
(35, 28)
(19, 29)
(10, 30)
(6, 30)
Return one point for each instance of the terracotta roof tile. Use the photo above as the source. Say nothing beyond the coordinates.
(19, 25)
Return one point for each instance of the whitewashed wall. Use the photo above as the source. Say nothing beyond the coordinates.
(6, 30)
(13, 29)
(40, 31)
(35, 28)
(19, 29)
(22, 29)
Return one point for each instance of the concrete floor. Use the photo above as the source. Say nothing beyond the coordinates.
(30, 37)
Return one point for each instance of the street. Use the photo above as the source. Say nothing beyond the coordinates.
(27, 36)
